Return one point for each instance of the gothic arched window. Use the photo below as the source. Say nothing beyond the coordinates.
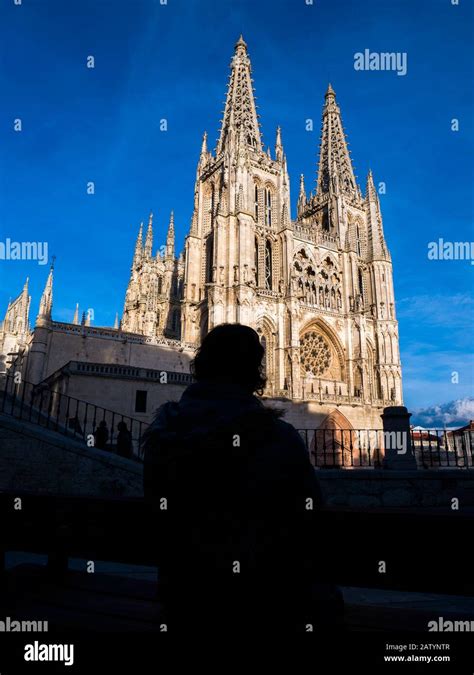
(268, 265)
(325, 220)
(209, 258)
(175, 320)
(257, 276)
(256, 203)
(361, 284)
(268, 207)
(263, 342)
(159, 285)
(213, 199)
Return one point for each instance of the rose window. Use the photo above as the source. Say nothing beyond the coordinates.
(315, 354)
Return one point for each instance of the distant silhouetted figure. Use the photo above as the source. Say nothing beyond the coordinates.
(124, 440)
(232, 488)
(74, 424)
(101, 435)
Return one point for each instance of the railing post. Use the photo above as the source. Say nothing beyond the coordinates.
(397, 439)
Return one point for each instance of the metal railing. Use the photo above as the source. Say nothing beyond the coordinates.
(98, 427)
(108, 430)
(344, 448)
(365, 448)
(443, 448)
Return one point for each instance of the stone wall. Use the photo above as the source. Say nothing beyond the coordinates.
(311, 414)
(119, 394)
(81, 343)
(34, 459)
(369, 488)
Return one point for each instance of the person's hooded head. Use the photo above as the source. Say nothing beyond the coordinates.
(231, 354)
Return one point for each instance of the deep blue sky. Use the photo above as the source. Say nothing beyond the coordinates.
(171, 61)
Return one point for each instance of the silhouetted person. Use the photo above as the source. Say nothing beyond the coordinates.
(75, 425)
(101, 435)
(230, 484)
(124, 440)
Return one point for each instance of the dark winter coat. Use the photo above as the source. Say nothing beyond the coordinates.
(232, 488)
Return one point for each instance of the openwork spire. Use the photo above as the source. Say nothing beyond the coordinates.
(278, 145)
(301, 196)
(149, 237)
(335, 166)
(240, 119)
(46, 302)
(371, 193)
(170, 237)
(204, 144)
(377, 244)
(138, 246)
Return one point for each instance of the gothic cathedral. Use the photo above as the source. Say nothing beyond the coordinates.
(318, 290)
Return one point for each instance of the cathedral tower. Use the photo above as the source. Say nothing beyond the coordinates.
(15, 327)
(237, 248)
(318, 290)
(152, 301)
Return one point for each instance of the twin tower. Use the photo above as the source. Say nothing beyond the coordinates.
(318, 289)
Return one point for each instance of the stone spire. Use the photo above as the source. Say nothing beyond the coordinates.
(301, 197)
(371, 192)
(26, 299)
(116, 322)
(240, 119)
(88, 318)
(18, 310)
(376, 240)
(138, 247)
(46, 302)
(76, 315)
(204, 145)
(278, 146)
(170, 238)
(149, 237)
(335, 165)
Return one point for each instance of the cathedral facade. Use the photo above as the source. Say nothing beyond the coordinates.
(317, 289)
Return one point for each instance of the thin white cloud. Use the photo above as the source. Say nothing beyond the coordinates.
(455, 311)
